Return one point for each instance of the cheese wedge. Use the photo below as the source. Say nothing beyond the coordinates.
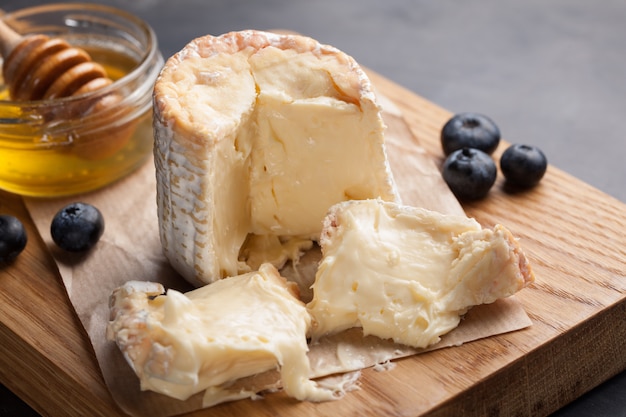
(203, 340)
(256, 136)
(409, 274)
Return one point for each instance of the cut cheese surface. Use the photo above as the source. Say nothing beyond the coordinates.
(409, 274)
(201, 341)
(256, 136)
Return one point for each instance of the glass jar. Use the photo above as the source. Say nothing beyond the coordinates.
(70, 145)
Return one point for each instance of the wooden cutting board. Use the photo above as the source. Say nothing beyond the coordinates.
(572, 233)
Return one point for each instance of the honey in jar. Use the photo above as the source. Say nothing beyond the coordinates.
(77, 144)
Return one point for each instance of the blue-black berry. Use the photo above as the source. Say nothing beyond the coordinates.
(470, 130)
(77, 227)
(13, 237)
(470, 173)
(523, 165)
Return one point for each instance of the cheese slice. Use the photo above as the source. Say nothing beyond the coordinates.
(202, 341)
(256, 136)
(409, 274)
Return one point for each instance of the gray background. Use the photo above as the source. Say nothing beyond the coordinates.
(550, 73)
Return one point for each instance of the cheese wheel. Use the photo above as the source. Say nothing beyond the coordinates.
(256, 136)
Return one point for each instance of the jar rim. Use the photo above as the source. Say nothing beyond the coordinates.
(147, 58)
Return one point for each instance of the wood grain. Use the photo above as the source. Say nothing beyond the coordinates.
(572, 233)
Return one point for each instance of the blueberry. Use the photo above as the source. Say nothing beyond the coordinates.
(523, 165)
(470, 130)
(77, 227)
(470, 173)
(13, 238)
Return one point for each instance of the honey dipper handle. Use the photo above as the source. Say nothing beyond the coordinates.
(8, 39)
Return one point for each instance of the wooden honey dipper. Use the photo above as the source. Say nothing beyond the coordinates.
(38, 67)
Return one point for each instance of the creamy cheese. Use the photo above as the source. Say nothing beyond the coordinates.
(201, 341)
(256, 136)
(409, 274)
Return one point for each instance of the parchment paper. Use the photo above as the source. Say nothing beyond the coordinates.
(130, 250)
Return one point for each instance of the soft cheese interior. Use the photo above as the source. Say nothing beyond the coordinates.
(409, 274)
(254, 144)
(203, 340)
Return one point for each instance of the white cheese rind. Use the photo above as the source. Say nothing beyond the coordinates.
(409, 274)
(181, 344)
(258, 134)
